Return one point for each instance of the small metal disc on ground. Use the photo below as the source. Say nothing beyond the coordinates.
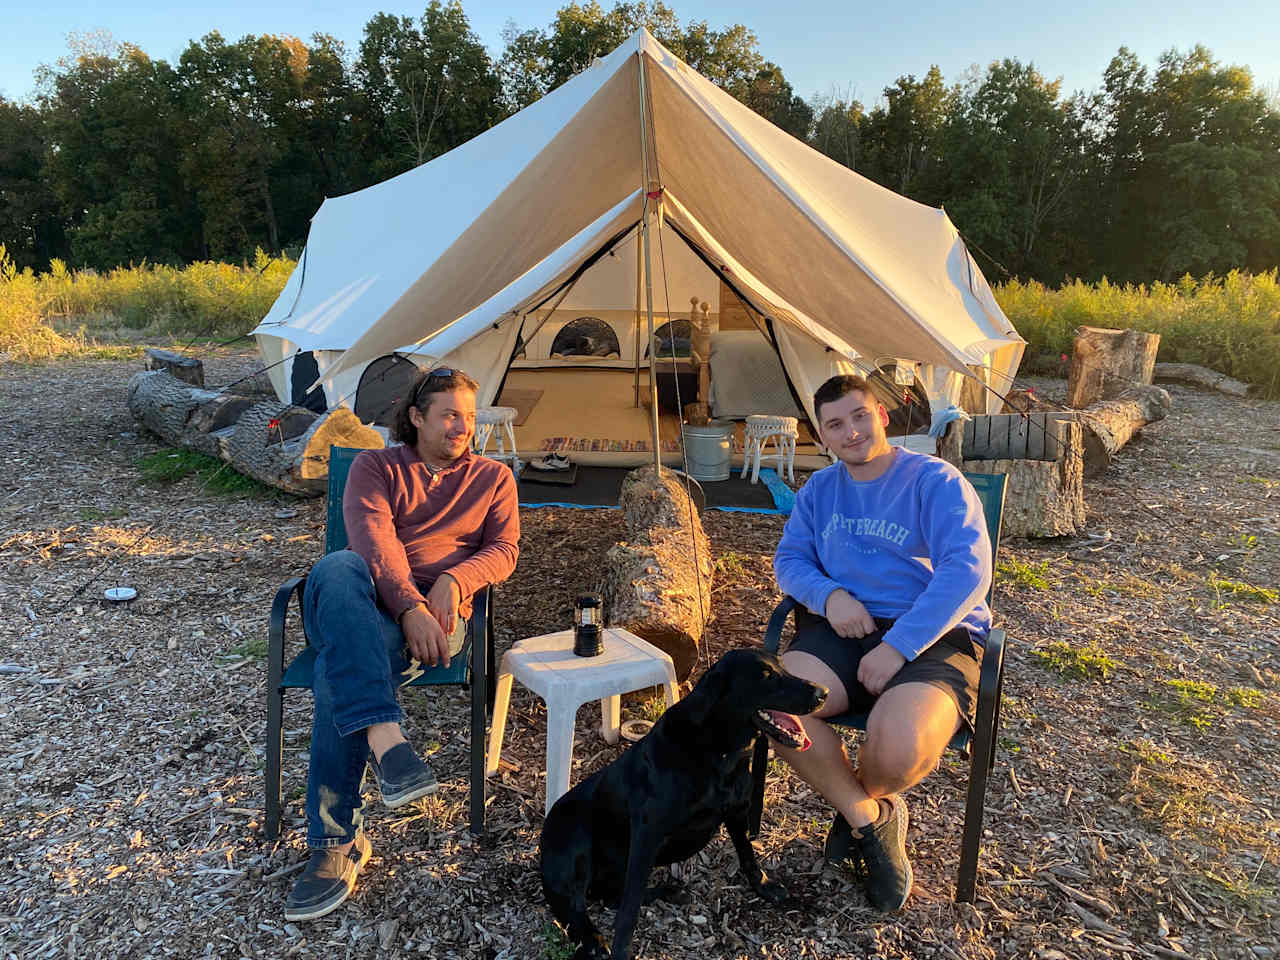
(120, 594)
(635, 730)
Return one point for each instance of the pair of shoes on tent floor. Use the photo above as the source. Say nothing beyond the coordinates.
(552, 461)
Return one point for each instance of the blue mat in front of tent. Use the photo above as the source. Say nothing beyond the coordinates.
(599, 487)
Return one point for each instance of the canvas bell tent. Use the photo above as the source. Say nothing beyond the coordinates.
(484, 257)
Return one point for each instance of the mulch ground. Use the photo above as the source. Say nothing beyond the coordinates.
(1134, 810)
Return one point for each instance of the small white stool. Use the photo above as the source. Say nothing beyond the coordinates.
(498, 422)
(548, 666)
(783, 431)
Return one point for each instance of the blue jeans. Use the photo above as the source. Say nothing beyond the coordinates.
(360, 661)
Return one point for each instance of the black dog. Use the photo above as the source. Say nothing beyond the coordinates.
(666, 797)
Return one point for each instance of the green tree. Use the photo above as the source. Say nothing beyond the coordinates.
(113, 159)
(535, 61)
(838, 129)
(429, 86)
(1015, 155)
(30, 228)
(902, 136)
(239, 103)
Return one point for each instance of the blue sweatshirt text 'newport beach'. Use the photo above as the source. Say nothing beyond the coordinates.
(911, 546)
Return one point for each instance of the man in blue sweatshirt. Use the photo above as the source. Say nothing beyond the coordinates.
(887, 553)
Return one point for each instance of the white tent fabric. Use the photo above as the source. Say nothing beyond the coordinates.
(429, 260)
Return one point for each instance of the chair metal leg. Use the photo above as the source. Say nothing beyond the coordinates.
(984, 736)
(275, 708)
(480, 687)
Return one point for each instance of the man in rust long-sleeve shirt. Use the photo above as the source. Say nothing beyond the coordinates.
(428, 524)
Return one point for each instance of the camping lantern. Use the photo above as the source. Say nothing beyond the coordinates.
(588, 635)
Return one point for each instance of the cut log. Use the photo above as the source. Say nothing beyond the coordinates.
(256, 384)
(1110, 424)
(657, 583)
(1106, 362)
(187, 369)
(1043, 498)
(163, 404)
(273, 442)
(1201, 377)
(1041, 456)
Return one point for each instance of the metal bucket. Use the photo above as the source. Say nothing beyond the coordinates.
(708, 448)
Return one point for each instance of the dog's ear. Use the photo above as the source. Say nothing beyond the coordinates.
(707, 693)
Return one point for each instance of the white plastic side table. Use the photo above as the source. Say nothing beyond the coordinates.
(497, 422)
(548, 666)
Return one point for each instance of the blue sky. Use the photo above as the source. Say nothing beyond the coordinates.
(822, 45)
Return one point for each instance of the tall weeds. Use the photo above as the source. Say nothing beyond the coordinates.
(1230, 324)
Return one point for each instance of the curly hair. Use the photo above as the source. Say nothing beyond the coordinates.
(439, 380)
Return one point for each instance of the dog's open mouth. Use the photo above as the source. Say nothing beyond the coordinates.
(784, 728)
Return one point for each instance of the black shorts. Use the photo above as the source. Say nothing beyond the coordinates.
(952, 664)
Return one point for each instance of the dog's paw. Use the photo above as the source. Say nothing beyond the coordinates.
(771, 890)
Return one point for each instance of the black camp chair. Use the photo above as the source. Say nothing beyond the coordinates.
(473, 664)
(979, 747)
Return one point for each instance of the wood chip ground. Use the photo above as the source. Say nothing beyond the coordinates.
(1136, 815)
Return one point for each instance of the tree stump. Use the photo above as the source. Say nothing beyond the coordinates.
(1041, 455)
(657, 583)
(273, 442)
(187, 369)
(1106, 362)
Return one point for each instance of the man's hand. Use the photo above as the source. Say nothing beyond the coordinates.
(442, 600)
(847, 616)
(423, 635)
(878, 667)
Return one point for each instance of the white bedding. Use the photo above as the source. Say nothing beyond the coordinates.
(747, 377)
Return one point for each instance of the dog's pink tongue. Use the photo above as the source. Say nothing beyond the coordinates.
(787, 721)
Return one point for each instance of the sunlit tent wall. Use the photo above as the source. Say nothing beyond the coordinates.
(480, 258)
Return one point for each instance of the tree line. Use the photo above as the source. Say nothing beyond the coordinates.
(122, 158)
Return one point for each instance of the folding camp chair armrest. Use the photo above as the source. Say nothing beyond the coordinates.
(992, 666)
(778, 620)
(275, 628)
(275, 704)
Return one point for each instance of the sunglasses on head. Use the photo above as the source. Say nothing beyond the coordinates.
(431, 375)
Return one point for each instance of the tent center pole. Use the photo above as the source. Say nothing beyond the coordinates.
(650, 189)
(636, 333)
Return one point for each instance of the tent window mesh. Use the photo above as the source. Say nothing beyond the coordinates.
(586, 337)
(674, 339)
(382, 384)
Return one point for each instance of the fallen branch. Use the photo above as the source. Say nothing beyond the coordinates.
(1093, 903)
(1201, 377)
(1094, 922)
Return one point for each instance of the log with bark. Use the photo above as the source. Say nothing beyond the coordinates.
(188, 369)
(1201, 377)
(1110, 424)
(657, 583)
(273, 442)
(1040, 454)
(1106, 362)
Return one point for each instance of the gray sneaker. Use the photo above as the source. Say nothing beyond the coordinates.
(403, 777)
(883, 846)
(327, 880)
